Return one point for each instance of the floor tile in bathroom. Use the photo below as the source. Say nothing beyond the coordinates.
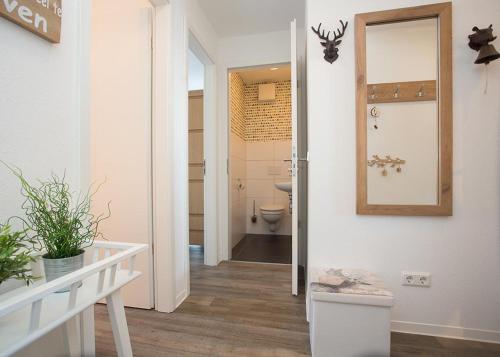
(264, 248)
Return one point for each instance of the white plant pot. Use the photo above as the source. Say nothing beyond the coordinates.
(55, 268)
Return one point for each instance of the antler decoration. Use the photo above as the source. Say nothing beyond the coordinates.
(331, 50)
(341, 33)
(322, 35)
(388, 161)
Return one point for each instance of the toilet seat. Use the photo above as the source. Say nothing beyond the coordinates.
(272, 209)
(272, 214)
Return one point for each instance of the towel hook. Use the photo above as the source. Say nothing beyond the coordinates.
(421, 92)
(396, 92)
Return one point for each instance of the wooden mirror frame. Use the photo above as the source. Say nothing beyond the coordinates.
(442, 12)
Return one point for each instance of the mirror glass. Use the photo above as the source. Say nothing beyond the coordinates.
(402, 113)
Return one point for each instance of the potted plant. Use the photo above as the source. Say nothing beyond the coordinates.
(15, 257)
(62, 225)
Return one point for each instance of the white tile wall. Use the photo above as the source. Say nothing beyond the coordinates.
(260, 150)
(258, 166)
(265, 167)
(237, 171)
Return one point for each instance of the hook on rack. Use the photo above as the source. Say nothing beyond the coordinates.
(372, 94)
(421, 92)
(396, 92)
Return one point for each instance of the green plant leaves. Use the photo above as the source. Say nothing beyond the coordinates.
(15, 256)
(54, 219)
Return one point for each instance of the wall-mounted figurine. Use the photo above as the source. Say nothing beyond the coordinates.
(331, 50)
(480, 41)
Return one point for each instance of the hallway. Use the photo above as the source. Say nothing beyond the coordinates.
(245, 309)
(235, 309)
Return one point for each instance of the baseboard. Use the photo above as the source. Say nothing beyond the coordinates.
(446, 331)
(179, 299)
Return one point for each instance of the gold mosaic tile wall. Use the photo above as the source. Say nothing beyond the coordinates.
(268, 121)
(252, 120)
(237, 105)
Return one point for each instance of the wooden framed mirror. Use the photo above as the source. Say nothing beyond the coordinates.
(404, 111)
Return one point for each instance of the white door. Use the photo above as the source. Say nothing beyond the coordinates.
(295, 196)
(120, 133)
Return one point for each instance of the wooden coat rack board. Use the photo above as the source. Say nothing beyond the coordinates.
(401, 92)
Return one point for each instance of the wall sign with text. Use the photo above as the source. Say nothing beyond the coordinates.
(42, 17)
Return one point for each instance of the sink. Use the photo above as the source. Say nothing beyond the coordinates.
(284, 186)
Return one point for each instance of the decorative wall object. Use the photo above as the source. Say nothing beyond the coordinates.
(42, 17)
(387, 162)
(480, 41)
(374, 113)
(416, 91)
(237, 88)
(331, 46)
(402, 64)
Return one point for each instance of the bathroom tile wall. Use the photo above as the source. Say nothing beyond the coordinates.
(265, 167)
(237, 95)
(238, 182)
(268, 120)
(260, 141)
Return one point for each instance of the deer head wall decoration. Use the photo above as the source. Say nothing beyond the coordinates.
(331, 46)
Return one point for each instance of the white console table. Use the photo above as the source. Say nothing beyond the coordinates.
(28, 313)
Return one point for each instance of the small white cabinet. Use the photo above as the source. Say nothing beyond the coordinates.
(344, 323)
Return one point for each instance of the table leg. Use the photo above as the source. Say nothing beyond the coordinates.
(71, 330)
(116, 313)
(87, 329)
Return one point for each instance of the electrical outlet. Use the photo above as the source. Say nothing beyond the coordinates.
(415, 279)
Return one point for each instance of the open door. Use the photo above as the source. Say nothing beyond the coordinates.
(295, 196)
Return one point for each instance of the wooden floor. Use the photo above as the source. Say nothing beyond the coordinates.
(264, 248)
(244, 309)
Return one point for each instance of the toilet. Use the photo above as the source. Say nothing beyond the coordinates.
(272, 214)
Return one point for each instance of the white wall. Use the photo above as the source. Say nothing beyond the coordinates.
(461, 252)
(43, 122)
(202, 29)
(196, 72)
(238, 189)
(40, 104)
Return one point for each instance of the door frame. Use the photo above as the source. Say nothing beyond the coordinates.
(209, 151)
(162, 161)
(226, 240)
(172, 37)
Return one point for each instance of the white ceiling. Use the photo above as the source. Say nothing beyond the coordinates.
(265, 75)
(245, 17)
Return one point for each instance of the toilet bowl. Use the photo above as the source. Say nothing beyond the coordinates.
(272, 214)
